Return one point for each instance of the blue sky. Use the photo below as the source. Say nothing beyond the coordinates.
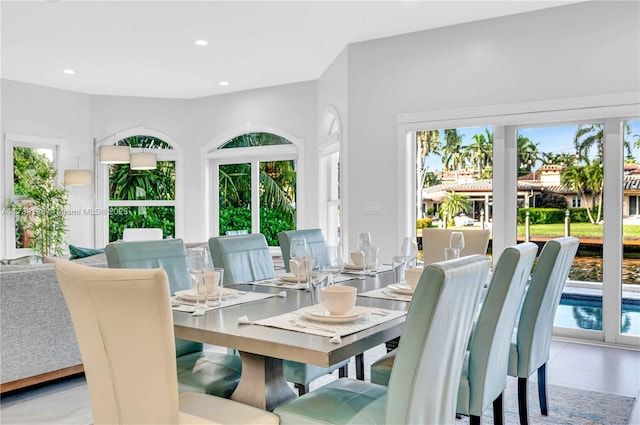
(549, 139)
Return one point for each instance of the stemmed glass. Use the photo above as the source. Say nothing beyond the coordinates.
(456, 242)
(199, 262)
(333, 262)
(364, 243)
(298, 254)
(410, 251)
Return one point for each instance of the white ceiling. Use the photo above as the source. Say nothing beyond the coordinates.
(146, 48)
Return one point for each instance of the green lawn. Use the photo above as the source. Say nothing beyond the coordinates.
(581, 230)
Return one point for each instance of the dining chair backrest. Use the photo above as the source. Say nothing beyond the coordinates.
(142, 234)
(244, 258)
(124, 327)
(315, 242)
(424, 379)
(167, 254)
(489, 345)
(540, 303)
(434, 241)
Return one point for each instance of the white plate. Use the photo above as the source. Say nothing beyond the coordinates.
(401, 288)
(291, 278)
(190, 294)
(325, 313)
(317, 313)
(351, 266)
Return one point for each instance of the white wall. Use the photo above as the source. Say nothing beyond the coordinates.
(42, 111)
(579, 50)
(584, 49)
(289, 108)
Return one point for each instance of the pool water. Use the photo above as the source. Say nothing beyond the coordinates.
(585, 312)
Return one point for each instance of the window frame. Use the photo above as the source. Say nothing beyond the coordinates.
(102, 190)
(610, 110)
(213, 157)
(12, 140)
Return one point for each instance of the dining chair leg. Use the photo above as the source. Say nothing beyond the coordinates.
(302, 389)
(360, 366)
(523, 407)
(498, 410)
(343, 372)
(542, 389)
(475, 420)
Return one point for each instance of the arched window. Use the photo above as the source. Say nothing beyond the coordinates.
(141, 198)
(255, 183)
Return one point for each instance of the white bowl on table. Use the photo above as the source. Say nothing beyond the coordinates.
(339, 300)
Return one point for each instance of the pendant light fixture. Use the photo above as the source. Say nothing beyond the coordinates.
(77, 177)
(143, 161)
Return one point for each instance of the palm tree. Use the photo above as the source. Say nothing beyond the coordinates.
(429, 142)
(479, 152)
(562, 159)
(527, 155)
(594, 174)
(451, 156)
(589, 135)
(576, 178)
(454, 203)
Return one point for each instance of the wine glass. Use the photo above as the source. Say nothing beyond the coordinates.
(333, 262)
(364, 243)
(410, 250)
(298, 254)
(456, 242)
(198, 263)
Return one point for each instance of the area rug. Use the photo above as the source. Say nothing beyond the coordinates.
(566, 406)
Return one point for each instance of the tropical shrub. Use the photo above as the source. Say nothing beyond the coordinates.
(271, 222)
(121, 218)
(553, 215)
(421, 223)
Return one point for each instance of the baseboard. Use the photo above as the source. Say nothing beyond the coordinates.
(38, 379)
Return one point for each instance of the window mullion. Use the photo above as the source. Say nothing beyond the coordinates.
(255, 197)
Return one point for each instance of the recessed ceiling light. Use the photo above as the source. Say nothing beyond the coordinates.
(69, 71)
(224, 83)
(201, 42)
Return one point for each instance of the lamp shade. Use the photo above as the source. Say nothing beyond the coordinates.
(143, 161)
(77, 177)
(112, 154)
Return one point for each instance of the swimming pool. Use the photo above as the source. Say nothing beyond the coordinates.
(580, 311)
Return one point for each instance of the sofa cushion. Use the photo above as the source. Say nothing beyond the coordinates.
(77, 252)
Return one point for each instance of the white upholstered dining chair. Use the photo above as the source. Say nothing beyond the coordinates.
(124, 327)
(141, 234)
(424, 381)
(434, 241)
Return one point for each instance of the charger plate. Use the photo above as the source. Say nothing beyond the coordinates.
(190, 294)
(320, 314)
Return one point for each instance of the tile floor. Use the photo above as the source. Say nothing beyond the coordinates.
(601, 369)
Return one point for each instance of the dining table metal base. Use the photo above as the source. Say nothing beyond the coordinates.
(262, 382)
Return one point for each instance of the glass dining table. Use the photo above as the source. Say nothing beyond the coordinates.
(263, 348)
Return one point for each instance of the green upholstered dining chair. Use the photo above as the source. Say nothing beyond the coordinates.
(124, 327)
(248, 259)
(484, 374)
(531, 340)
(244, 258)
(216, 374)
(315, 242)
(424, 381)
